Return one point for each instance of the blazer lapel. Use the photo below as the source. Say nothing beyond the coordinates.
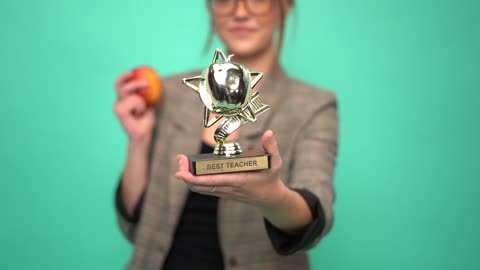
(187, 116)
(272, 93)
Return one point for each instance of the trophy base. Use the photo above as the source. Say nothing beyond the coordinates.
(251, 160)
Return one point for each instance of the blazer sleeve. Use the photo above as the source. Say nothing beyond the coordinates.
(128, 224)
(287, 244)
(314, 159)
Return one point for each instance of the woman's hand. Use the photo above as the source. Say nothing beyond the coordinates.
(259, 188)
(131, 109)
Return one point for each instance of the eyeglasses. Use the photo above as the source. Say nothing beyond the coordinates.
(228, 7)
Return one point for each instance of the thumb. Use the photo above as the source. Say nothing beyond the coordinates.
(270, 146)
(183, 164)
(183, 170)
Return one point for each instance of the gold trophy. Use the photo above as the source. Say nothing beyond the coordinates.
(226, 90)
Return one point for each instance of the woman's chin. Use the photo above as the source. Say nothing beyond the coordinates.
(244, 50)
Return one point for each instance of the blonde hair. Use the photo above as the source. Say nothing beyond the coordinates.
(285, 6)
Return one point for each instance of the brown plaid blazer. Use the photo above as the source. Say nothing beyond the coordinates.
(304, 122)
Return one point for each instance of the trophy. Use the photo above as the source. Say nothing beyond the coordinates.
(226, 90)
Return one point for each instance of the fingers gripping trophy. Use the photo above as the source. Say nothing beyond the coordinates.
(226, 90)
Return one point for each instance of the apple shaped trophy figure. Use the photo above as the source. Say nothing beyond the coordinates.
(226, 90)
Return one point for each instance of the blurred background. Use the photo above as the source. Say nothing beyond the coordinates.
(406, 74)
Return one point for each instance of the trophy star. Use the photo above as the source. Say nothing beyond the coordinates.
(226, 90)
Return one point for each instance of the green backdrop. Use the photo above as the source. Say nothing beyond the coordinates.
(406, 74)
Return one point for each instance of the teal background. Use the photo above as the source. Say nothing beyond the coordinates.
(406, 74)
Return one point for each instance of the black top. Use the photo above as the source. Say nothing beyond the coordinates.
(196, 243)
(196, 236)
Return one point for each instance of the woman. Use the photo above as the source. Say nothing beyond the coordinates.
(239, 220)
